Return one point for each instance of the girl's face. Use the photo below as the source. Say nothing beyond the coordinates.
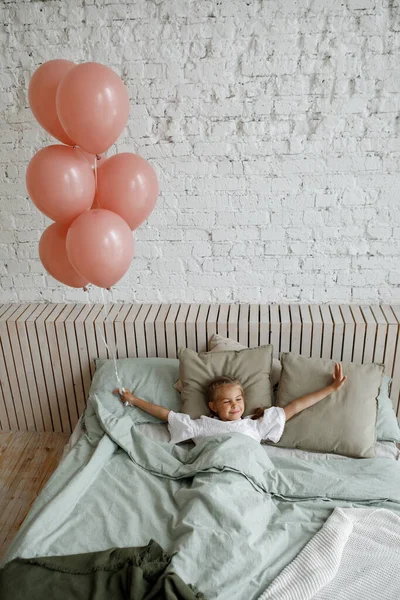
(228, 402)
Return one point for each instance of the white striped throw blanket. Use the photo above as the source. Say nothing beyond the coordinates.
(354, 556)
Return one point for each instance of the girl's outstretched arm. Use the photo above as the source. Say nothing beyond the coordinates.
(304, 402)
(152, 409)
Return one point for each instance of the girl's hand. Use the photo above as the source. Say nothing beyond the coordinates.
(125, 396)
(338, 377)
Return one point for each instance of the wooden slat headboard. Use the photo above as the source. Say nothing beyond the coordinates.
(47, 351)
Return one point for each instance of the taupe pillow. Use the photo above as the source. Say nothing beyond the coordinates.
(342, 423)
(218, 343)
(252, 367)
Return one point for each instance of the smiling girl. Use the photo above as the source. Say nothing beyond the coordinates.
(226, 401)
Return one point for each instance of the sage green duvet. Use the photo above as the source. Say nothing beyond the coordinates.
(232, 516)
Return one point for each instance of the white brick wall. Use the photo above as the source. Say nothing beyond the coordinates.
(274, 127)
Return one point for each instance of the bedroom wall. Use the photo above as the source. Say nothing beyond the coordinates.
(273, 128)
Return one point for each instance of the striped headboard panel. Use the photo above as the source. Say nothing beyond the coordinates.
(47, 351)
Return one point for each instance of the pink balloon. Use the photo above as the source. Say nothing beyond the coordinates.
(93, 106)
(42, 96)
(53, 254)
(127, 184)
(100, 247)
(100, 158)
(60, 182)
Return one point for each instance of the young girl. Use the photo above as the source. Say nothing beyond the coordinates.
(227, 402)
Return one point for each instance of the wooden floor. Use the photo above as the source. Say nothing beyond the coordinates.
(27, 459)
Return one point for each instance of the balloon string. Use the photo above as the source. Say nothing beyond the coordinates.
(95, 171)
(111, 347)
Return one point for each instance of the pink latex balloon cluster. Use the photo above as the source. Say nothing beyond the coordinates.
(95, 202)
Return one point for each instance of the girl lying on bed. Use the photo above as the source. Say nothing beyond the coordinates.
(226, 402)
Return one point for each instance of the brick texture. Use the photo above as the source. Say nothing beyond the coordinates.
(273, 126)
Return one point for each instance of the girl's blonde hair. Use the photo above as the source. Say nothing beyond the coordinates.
(217, 383)
(258, 413)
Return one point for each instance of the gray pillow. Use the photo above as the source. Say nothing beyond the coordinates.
(218, 343)
(387, 427)
(252, 367)
(151, 379)
(342, 423)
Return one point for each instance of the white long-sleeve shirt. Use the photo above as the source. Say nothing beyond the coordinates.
(268, 427)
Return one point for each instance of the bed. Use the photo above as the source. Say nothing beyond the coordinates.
(248, 508)
(234, 515)
(234, 537)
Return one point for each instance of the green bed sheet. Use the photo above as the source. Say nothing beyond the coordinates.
(118, 573)
(232, 517)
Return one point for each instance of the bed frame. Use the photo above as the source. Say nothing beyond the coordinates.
(47, 351)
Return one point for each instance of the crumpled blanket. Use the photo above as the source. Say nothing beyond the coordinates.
(136, 573)
(356, 554)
